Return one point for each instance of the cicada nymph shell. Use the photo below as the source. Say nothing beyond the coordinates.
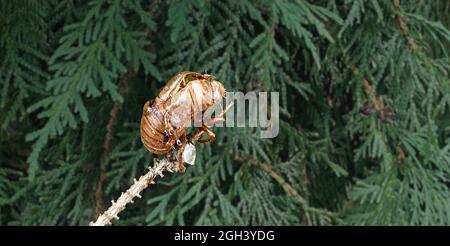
(166, 118)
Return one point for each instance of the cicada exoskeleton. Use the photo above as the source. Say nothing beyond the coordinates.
(165, 119)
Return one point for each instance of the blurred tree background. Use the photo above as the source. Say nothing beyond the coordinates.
(364, 110)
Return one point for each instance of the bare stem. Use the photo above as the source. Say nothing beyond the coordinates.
(117, 107)
(139, 185)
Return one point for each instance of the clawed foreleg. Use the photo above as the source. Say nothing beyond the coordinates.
(182, 144)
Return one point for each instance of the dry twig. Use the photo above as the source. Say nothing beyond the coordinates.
(134, 191)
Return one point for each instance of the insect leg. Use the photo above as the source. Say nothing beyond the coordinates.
(168, 128)
(219, 118)
(180, 151)
(216, 120)
(211, 135)
(196, 136)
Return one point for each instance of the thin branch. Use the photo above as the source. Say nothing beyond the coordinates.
(280, 180)
(117, 107)
(402, 25)
(384, 113)
(290, 191)
(377, 101)
(134, 191)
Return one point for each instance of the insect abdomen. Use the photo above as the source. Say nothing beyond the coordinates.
(152, 132)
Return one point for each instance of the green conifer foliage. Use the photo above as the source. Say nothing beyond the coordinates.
(364, 110)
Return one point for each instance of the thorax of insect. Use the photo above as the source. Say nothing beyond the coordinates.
(165, 119)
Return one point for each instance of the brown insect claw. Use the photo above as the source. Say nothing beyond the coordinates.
(181, 168)
(225, 110)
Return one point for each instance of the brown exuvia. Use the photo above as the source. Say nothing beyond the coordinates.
(166, 118)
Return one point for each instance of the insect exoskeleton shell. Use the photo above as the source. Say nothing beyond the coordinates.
(176, 83)
(194, 99)
(153, 134)
(165, 119)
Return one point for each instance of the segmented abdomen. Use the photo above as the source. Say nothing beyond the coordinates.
(152, 131)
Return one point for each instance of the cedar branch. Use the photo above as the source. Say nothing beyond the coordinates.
(376, 100)
(290, 191)
(402, 25)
